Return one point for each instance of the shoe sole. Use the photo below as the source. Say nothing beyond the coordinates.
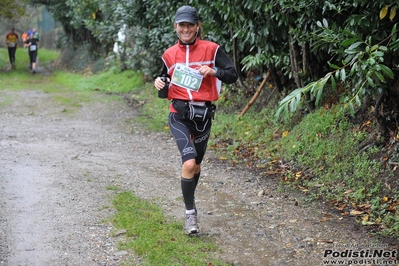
(190, 233)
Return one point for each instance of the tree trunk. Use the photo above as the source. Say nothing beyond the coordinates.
(294, 56)
(276, 79)
(251, 102)
(297, 71)
(236, 61)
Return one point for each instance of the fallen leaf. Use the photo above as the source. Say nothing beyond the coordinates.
(367, 223)
(364, 206)
(385, 199)
(285, 133)
(271, 172)
(298, 174)
(120, 232)
(356, 213)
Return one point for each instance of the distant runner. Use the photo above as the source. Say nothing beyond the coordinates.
(36, 34)
(33, 45)
(12, 44)
(24, 36)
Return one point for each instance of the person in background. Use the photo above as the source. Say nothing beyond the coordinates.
(191, 77)
(24, 36)
(33, 45)
(30, 32)
(36, 34)
(12, 44)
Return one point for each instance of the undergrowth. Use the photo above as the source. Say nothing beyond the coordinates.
(320, 156)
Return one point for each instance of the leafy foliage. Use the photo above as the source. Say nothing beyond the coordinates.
(11, 9)
(286, 35)
(363, 67)
(363, 71)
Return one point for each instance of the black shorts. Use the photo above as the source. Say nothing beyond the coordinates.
(33, 56)
(191, 136)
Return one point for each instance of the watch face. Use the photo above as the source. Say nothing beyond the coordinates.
(217, 71)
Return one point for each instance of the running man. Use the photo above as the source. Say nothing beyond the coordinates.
(12, 44)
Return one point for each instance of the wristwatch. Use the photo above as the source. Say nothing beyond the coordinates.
(217, 72)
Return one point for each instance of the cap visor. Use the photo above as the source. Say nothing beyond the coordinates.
(188, 19)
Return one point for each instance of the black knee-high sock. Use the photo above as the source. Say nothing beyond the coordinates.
(196, 177)
(188, 188)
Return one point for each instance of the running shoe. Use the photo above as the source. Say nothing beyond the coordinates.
(191, 226)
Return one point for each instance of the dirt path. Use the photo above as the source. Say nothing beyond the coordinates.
(56, 163)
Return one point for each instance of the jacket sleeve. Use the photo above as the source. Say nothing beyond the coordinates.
(163, 72)
(227, 72)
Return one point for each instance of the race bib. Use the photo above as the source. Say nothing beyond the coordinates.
(187, 77)
(32, 47)
(11, 44)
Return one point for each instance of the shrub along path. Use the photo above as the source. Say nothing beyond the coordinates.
(58, 161)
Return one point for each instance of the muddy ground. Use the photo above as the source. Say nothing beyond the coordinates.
(56, 163)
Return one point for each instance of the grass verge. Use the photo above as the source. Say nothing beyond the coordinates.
(156, 239)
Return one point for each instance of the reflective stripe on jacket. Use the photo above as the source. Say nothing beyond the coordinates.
(201, 52)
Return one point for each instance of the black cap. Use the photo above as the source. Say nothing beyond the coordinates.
(187, 14)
